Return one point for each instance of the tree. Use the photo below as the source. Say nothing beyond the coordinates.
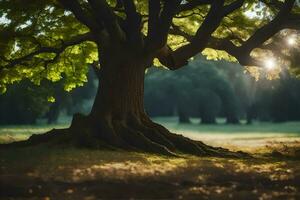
(284, 102)
(23, 104)
(71, 102)
(210, 106)
(45, 38)
(196, 90)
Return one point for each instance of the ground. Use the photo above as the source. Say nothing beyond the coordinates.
(44, 172)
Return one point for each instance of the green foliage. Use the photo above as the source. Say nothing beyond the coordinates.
(24, 103)
(25, 28)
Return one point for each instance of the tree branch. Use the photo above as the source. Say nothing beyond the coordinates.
(80, 14)
(270, 29)
(203, 37)
(175, 30)
(273, 3)
(225, 44)
(157, 38)
(293, 22)
(133, 23)
(232, 7)
(56, 50)
(104, 13)
(154, 10)
(243, 52)
(193, 4)
(178, 58)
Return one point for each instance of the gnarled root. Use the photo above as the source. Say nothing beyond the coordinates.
(133, 133)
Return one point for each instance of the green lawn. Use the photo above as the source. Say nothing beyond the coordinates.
(243, 137)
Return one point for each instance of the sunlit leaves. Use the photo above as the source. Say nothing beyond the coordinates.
(51, 99)
(212, 54)
(42, 24)
(38, 24)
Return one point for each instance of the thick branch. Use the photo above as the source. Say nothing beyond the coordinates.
(104, 13)
(273, 3)
(175, 30)
(232, 7)
(130, 8)
(133, 23)
(257, 40)
(226, 45)
(81, 15)
(158, 37)
(154, 10)
(193, 4)
(167, 14)
(270, 29)
(178, 58)
(292, 22)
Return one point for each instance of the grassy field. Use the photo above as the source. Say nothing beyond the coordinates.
(244, 137)
(45, 172)
(257, 137)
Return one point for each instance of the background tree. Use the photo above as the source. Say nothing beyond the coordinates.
(285, 104)
(24, 103)
(200, 90)
(44, 38)
(72, 102)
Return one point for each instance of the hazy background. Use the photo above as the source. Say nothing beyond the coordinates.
(210, 92)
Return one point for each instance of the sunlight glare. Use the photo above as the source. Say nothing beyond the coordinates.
(291, 41)
(270, 64)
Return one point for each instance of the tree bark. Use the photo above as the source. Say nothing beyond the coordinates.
(120, 93)
(119, 100)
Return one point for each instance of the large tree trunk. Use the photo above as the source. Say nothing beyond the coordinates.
(120, 93)
(118, 118)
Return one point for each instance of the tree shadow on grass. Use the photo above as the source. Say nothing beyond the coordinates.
(43, 173)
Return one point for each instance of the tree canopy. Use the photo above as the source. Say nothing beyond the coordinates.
(55, 39)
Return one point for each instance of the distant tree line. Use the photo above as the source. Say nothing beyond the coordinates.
(210, 89)
(199, 90)
(276, 101)
(205, 90)
(25, 103)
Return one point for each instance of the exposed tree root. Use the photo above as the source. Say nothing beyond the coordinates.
(133, 135)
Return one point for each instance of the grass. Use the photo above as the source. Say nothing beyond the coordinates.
(44, 172)
(258, 137)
